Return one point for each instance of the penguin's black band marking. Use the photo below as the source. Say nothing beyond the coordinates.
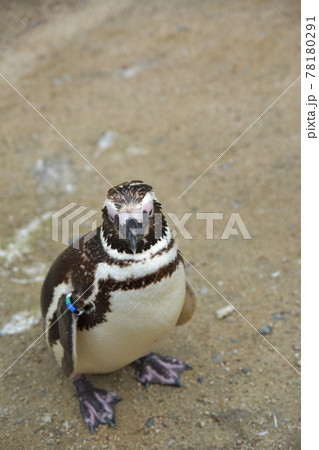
(142, 282)
(129, 262)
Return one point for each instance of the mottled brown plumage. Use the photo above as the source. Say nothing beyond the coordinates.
(128, 193)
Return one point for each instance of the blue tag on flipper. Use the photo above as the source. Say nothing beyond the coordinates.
(71, 307)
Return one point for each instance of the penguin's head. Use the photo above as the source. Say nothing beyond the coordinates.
(131, 212)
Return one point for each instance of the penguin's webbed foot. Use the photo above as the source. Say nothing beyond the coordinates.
(154, 368)
(97, 405)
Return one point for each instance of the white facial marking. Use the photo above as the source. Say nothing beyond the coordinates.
(111, 208)
(133, 210)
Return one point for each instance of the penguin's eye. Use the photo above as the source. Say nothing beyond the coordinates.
(115, 219)
(150, 213)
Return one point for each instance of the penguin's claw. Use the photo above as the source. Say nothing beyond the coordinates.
(97, 405)
(154, 368)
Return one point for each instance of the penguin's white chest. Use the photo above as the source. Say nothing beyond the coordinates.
(138, 319)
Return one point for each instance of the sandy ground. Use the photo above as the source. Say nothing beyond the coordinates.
(177, 82)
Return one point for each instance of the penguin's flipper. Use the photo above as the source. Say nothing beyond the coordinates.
(189, 304)
(67, 323)
(97, 405)
(157, 369)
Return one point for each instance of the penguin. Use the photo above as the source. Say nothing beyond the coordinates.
(109, 299)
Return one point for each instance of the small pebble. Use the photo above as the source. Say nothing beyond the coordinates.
(19, 421)
(278, 316)
(200, 379)
(204, 290)
(225, 165)
(263, 433)
(107, 140)
(275, 274)
(236, 203)
(65, 426)
(62, 79)
(47, 418)
(235, 351)
(136, 151)
(181, 28)
(234, 341)
(150, 422)
(217, 359)
(34, 136)
(246, 370)
(266, 329)
(224, 312)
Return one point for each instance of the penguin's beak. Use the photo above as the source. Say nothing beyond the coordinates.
(133, 232)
